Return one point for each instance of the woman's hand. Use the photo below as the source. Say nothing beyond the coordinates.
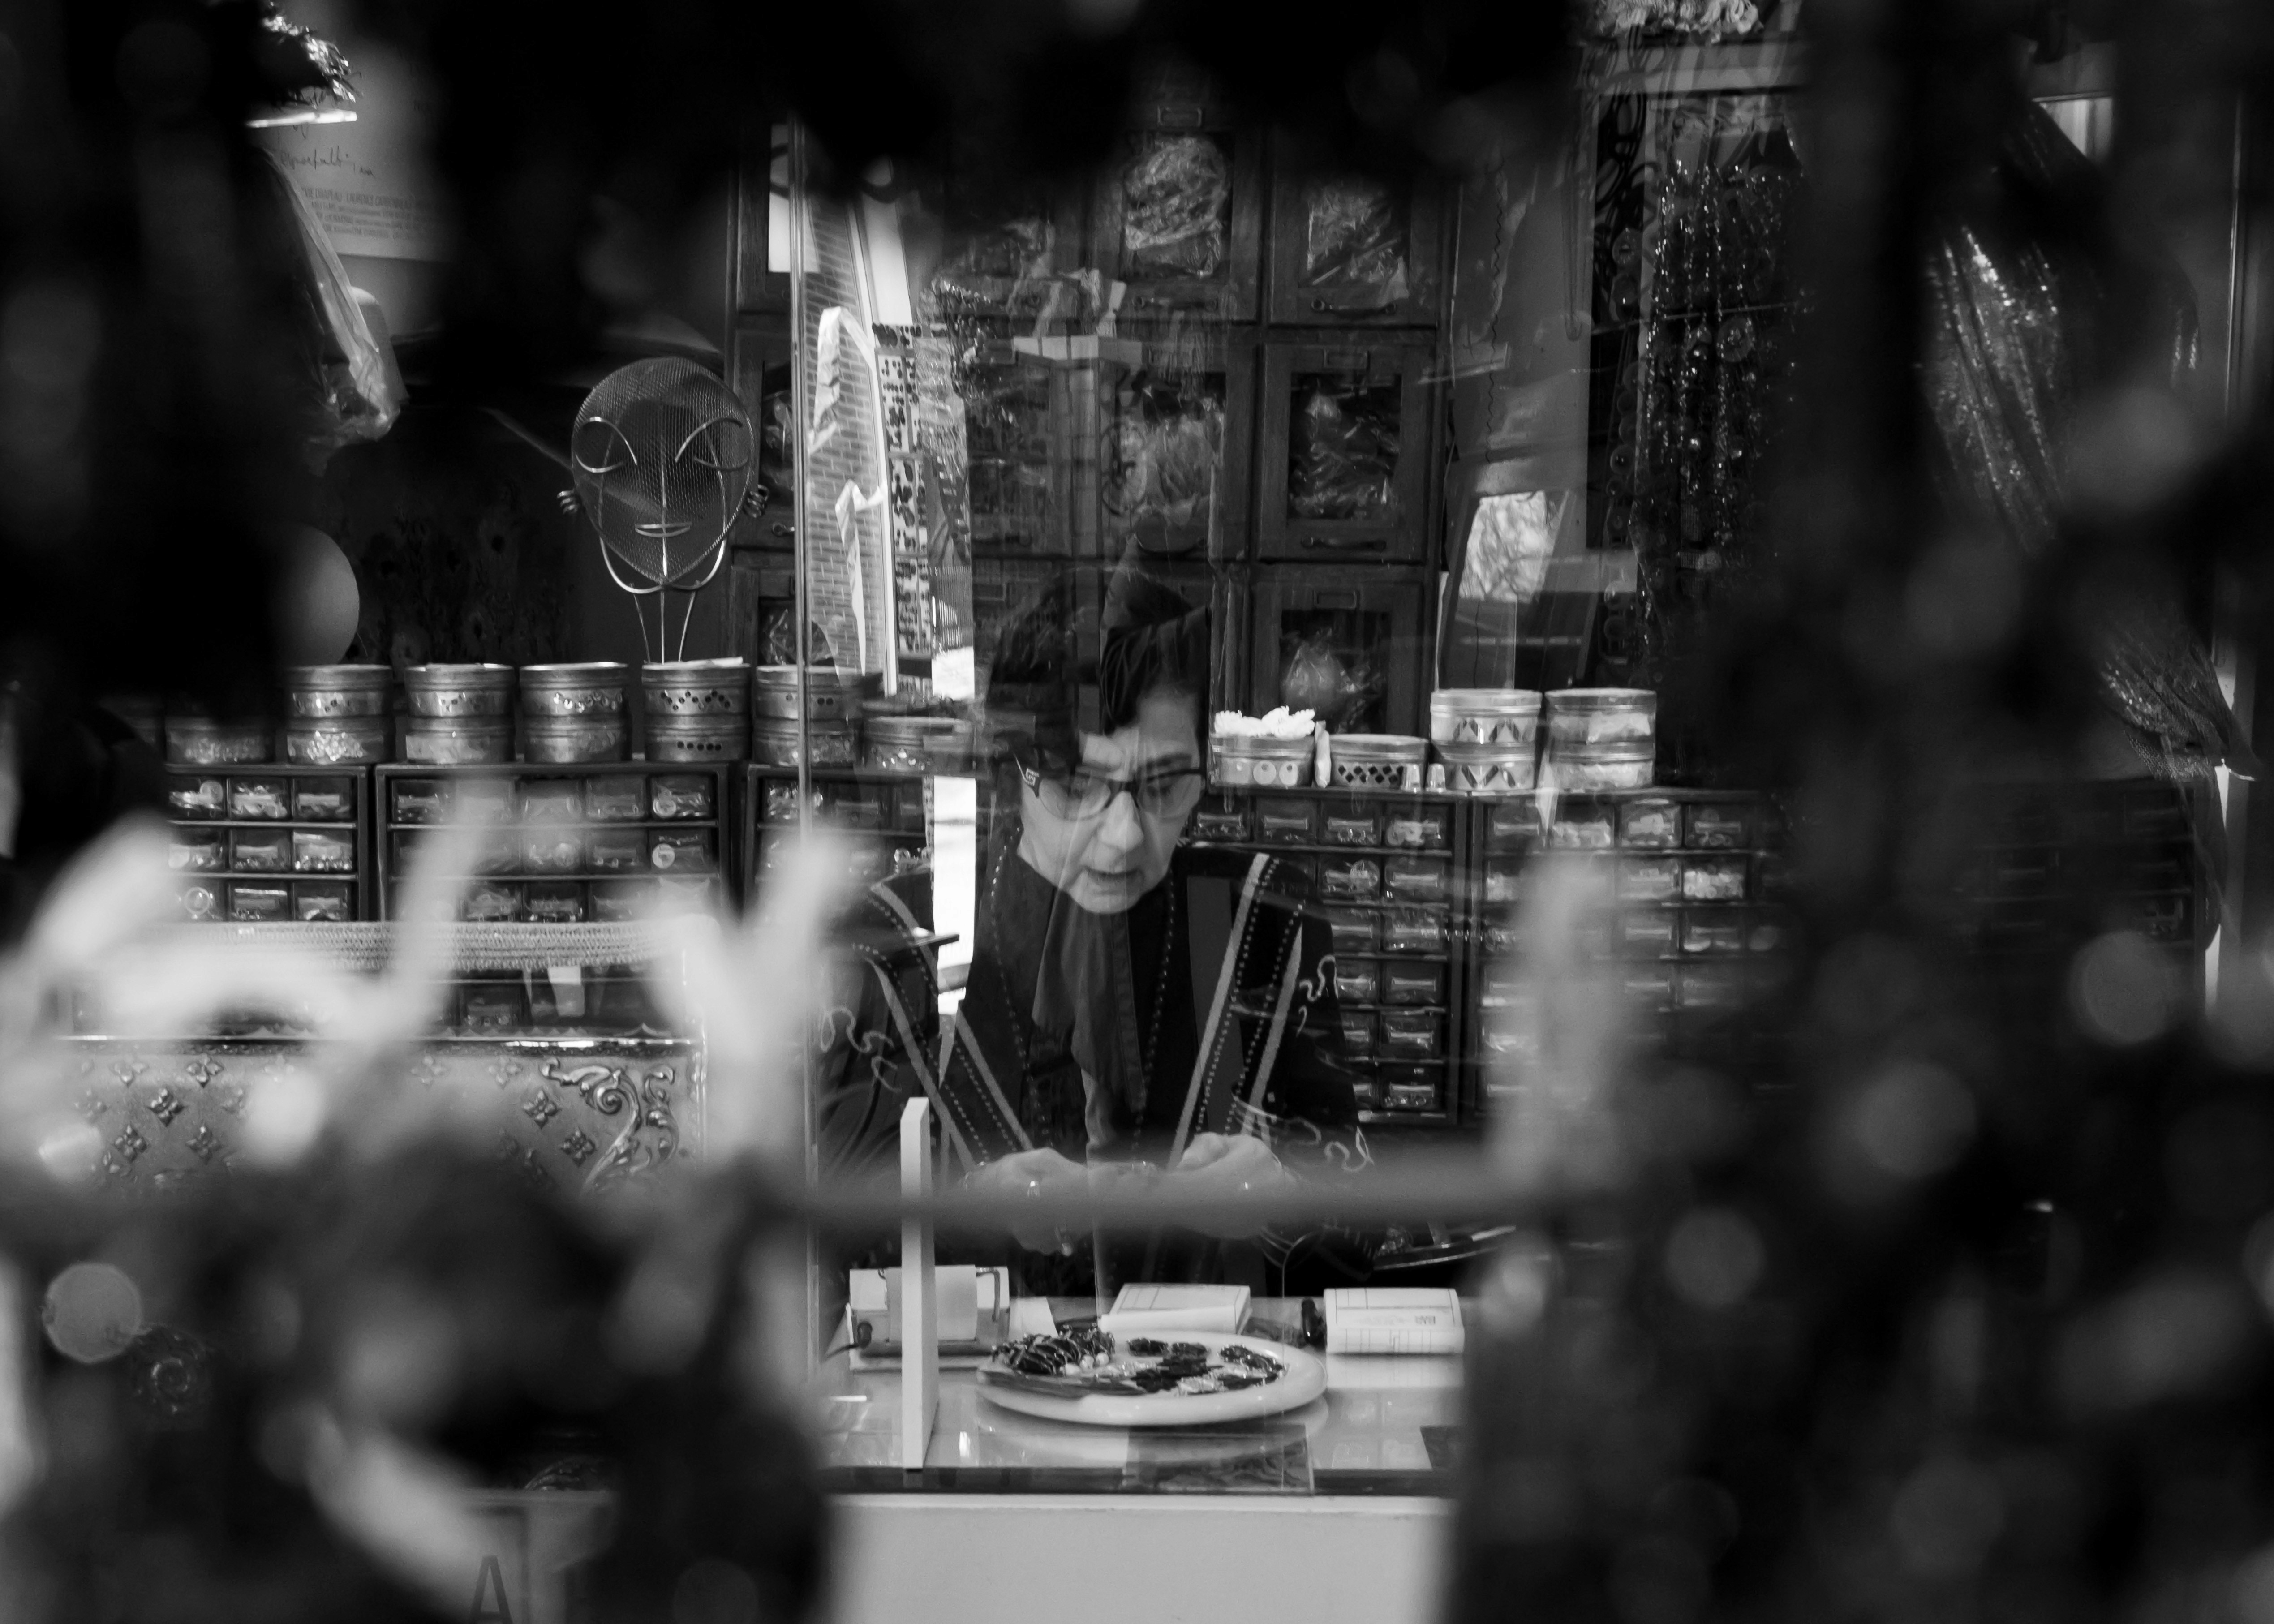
(1035, 1174)
(1215, 1166)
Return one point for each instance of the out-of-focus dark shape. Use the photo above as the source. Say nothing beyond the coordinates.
(2026, 311)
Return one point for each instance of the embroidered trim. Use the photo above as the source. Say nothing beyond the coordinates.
(1212, 1034)
(1288, 979)
(975, 1060)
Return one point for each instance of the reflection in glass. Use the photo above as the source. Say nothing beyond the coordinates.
(1162, 456)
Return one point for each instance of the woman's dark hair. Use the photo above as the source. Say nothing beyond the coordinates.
(1061, 670)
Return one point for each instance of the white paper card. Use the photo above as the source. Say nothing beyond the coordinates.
(1141, 1310)
(1394, 1319)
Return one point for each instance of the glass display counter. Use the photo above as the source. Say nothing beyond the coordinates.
(1384, 1426)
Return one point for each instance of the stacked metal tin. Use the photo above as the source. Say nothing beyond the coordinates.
(575, 713)
(1601, 739)
(697, 711)
(832, 705)
(460, 716)
(336, 715)
(1487, 737)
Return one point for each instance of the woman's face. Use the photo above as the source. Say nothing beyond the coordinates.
(1105, 862)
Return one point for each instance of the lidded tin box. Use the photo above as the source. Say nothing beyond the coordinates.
(317, 691)
(1484, 716)
(444, 690)
(591, 688)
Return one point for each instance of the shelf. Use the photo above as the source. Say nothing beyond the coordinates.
(324, 825)
(586, 876)
(521, 823)
(1274, 848)
(546, 770)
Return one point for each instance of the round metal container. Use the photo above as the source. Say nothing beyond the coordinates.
(1489, 769)
(201, 741)
(697, 738)
(593, 689)
(459, 690)
(774, 742)
(1244, 759)
(570, 739)
(830, 694)
(1601, 716)
(457, 741)
(1626, 763)
(333, 740)
(915, 743)
(336, 690)
(695, 688)
(1375, 760)
(1484, 716)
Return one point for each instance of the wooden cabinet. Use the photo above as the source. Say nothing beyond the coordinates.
(1010, 254)
(1178, 217)
(1351, 251)
(1351, 643)
(1344, 452)
(1001, 587)
(762, 608)
(758, 372)
(1092, 449)
(761, 224)
(1226, 591)
(1175, 430)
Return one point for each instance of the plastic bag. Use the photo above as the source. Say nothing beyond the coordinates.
(1176, 200)
(1342, 450)
(354, 393)
(1326, 667)
(1353, 235)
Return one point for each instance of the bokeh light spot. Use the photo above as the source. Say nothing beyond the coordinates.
(92, 1311)
(1946, 1517)
(712, 1591)
(1714, 1257)
(2123, 989)
(1913, 1119)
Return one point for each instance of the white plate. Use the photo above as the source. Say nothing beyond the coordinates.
(1303, 1379)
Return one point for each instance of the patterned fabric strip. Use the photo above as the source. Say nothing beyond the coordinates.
(1213, 1032)
(958, 1130)
(1288, 978)
(978, 1094)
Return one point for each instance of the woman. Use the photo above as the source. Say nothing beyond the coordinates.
(1136, 1010)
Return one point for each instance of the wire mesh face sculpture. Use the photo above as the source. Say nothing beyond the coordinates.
(665, 460)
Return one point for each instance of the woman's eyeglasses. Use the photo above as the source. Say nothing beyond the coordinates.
(1170, 792)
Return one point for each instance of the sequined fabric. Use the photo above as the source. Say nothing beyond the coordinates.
(2018, 325)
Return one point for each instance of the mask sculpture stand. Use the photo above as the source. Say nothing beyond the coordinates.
(919, 1293)
(664, 461)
